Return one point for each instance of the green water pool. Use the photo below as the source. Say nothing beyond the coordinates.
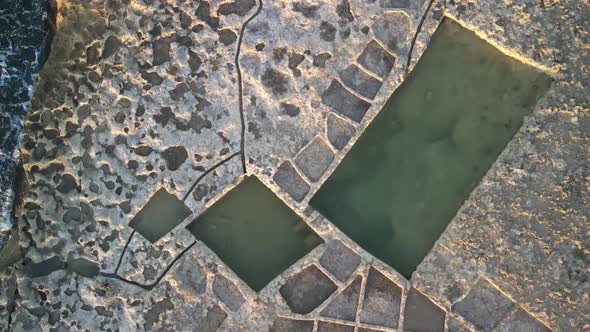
(254, 233)
(436, 137)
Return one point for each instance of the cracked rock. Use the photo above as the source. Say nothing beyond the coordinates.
(306, 290)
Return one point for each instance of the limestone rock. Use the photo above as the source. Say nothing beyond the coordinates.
(339, 260)
(382, 300)
(314, 159)
(307, 289)
(484, 306)
(344, 305)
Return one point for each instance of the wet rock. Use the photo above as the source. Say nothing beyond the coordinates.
(327, 31)
(175, 156)
(143, 150)
(344, 102)
(319, 60)
(161, 49)
(204, 13)
(376, 59)
(484, 306)
(72, 214)
(45, 267)
(152, 315)
(290, 181)
(522, 321)
(307, 9)
(67, 183)
(278, 53)
(356, 79)
(179, 91)
(211, 323)
(294, 60)
(382, 300)
(83, 267)
(343, 11)
(275, 80)
(200, 192)
(339, 260)
(152, 78)
(238, 7)
(227, 36)
(194, 61)
(393, 31)
(314, 159)
(228, 293)
(198, 123)
(345, 304)
(291, 325)
(111, 46)
(165, 116)
(334, 327)
(290, 109)
(421, 314)
(306, 290)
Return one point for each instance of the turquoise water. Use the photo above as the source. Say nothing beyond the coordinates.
(436, 137)
(254, 233)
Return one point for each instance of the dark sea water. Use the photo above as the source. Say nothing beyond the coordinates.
(23, 34)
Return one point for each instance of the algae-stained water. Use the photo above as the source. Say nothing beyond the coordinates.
(408, 174)
(254, 233)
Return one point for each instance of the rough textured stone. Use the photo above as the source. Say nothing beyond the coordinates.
(228, 292)
(344, 305)
(382, 300)
(339, 131)
(45, 267)
(356, 79)
(455, 325)
(291, 325)
(334, 327)
(314, 159)
(376, 59)
(340, 260)
(421, 315)
(307, 289)
(291, 182)
(392, 30)
(175, 156)
(161, 49)
(344, 102)
(522, 321)
(484, 306)
(213, 320)
(238, 7)
(227, 36)
(327, 31)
